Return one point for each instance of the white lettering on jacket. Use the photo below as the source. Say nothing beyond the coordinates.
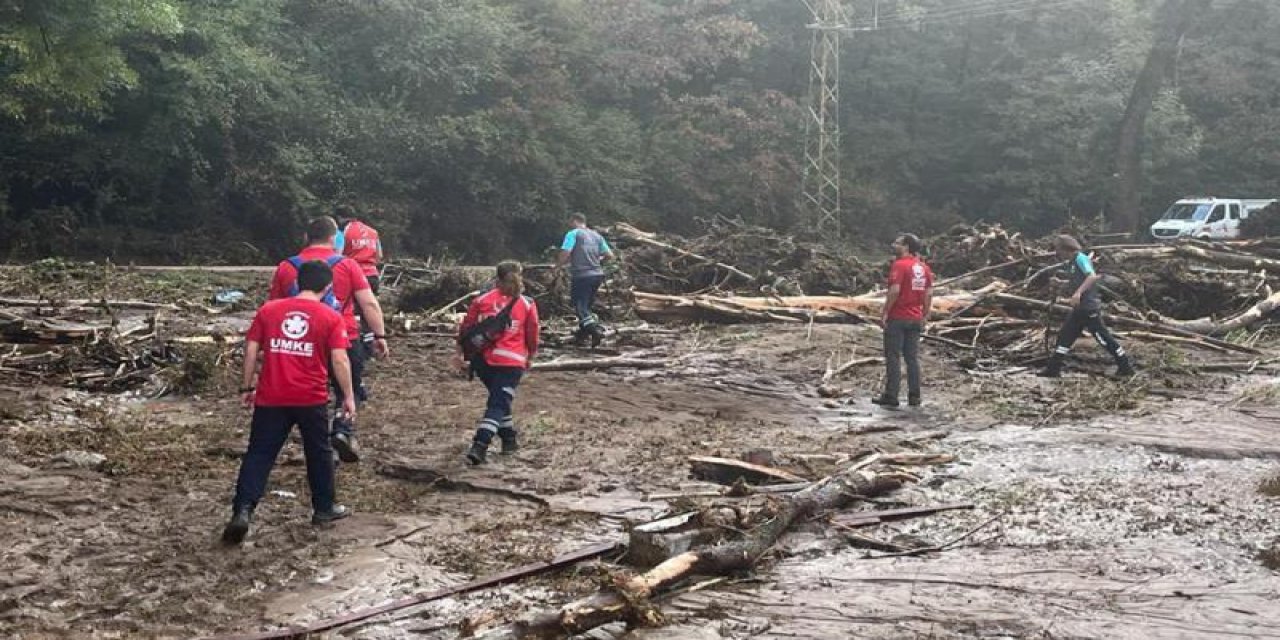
(289, 347)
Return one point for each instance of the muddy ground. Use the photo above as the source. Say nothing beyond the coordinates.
(1129, 511)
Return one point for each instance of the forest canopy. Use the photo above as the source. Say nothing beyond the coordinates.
(207, 130)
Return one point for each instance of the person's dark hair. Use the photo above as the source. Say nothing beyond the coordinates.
(912, 243)
(1065, 242)
(314, 276)
(510, 280)
(578, 218)
(321, 229)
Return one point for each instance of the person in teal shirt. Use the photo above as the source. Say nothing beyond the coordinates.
(584, 252)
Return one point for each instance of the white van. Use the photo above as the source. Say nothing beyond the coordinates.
(1205, 218)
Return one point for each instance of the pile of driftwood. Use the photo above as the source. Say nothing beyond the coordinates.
(1218, 297)
(733, 257)
(95, 345)
(965, 248)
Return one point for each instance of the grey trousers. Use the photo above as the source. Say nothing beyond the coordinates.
(902, 340)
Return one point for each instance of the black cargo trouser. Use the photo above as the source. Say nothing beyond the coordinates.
(1081, 320)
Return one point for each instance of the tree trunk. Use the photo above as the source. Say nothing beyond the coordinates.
(627, 599)
(1173, 19)
(832, 309)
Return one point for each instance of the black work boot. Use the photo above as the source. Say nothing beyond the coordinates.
(597, 335)
(476, 454)
(913, 401)
(338, 512)
(238, 527)
(1124, 367)
(580, 337)
(510, 444)
(885, 401)
(1053, 369)
(345, 445)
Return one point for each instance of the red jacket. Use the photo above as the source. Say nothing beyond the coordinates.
(361, 244)
(519, 342)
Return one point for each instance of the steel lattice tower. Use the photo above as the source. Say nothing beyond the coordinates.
(821, 179)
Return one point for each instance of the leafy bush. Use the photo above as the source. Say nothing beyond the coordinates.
(1264, 223)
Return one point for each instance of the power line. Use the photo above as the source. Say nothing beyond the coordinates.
(955, 14)
(953, 9)
(959, 10)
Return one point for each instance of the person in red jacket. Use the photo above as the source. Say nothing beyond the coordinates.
(503, 363)
(362, 244)
(350, 288)
(906, 310)
(298, 338)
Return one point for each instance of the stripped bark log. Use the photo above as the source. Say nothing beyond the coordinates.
(599, 363)
(627, 600)
(838, 309)
(1194, 252)
(1210, 327)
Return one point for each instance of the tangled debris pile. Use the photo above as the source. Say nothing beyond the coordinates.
(107, 341)
(1000, 296)
(733, 257)
(967, 248)
(729, 258)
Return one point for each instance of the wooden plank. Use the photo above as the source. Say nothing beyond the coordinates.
(727, 471)
(868, 518)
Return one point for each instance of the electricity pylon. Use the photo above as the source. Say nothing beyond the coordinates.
(821, 179)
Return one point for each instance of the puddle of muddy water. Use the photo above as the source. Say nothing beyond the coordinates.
(1101, 536)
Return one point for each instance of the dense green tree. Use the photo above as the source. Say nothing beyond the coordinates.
(206, 130)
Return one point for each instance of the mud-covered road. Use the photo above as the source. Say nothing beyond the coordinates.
(1143, 521)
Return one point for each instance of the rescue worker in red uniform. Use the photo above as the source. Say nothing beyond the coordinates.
(906, 310)
(299, 339)
(504, 362)
(362, 244)
(350, 288)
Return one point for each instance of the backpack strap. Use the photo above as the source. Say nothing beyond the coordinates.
(296, 261)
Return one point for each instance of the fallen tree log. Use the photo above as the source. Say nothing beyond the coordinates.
(731, 492)
(1243, 320)
(837, 309)
(1193, 252)
(87, 304)
(599, 363)
(627, 600)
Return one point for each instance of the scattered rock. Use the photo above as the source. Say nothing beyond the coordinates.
(79, 460)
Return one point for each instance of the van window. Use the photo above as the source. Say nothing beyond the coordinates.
(1186, 211)
(1233, 212)
(1219, 212)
